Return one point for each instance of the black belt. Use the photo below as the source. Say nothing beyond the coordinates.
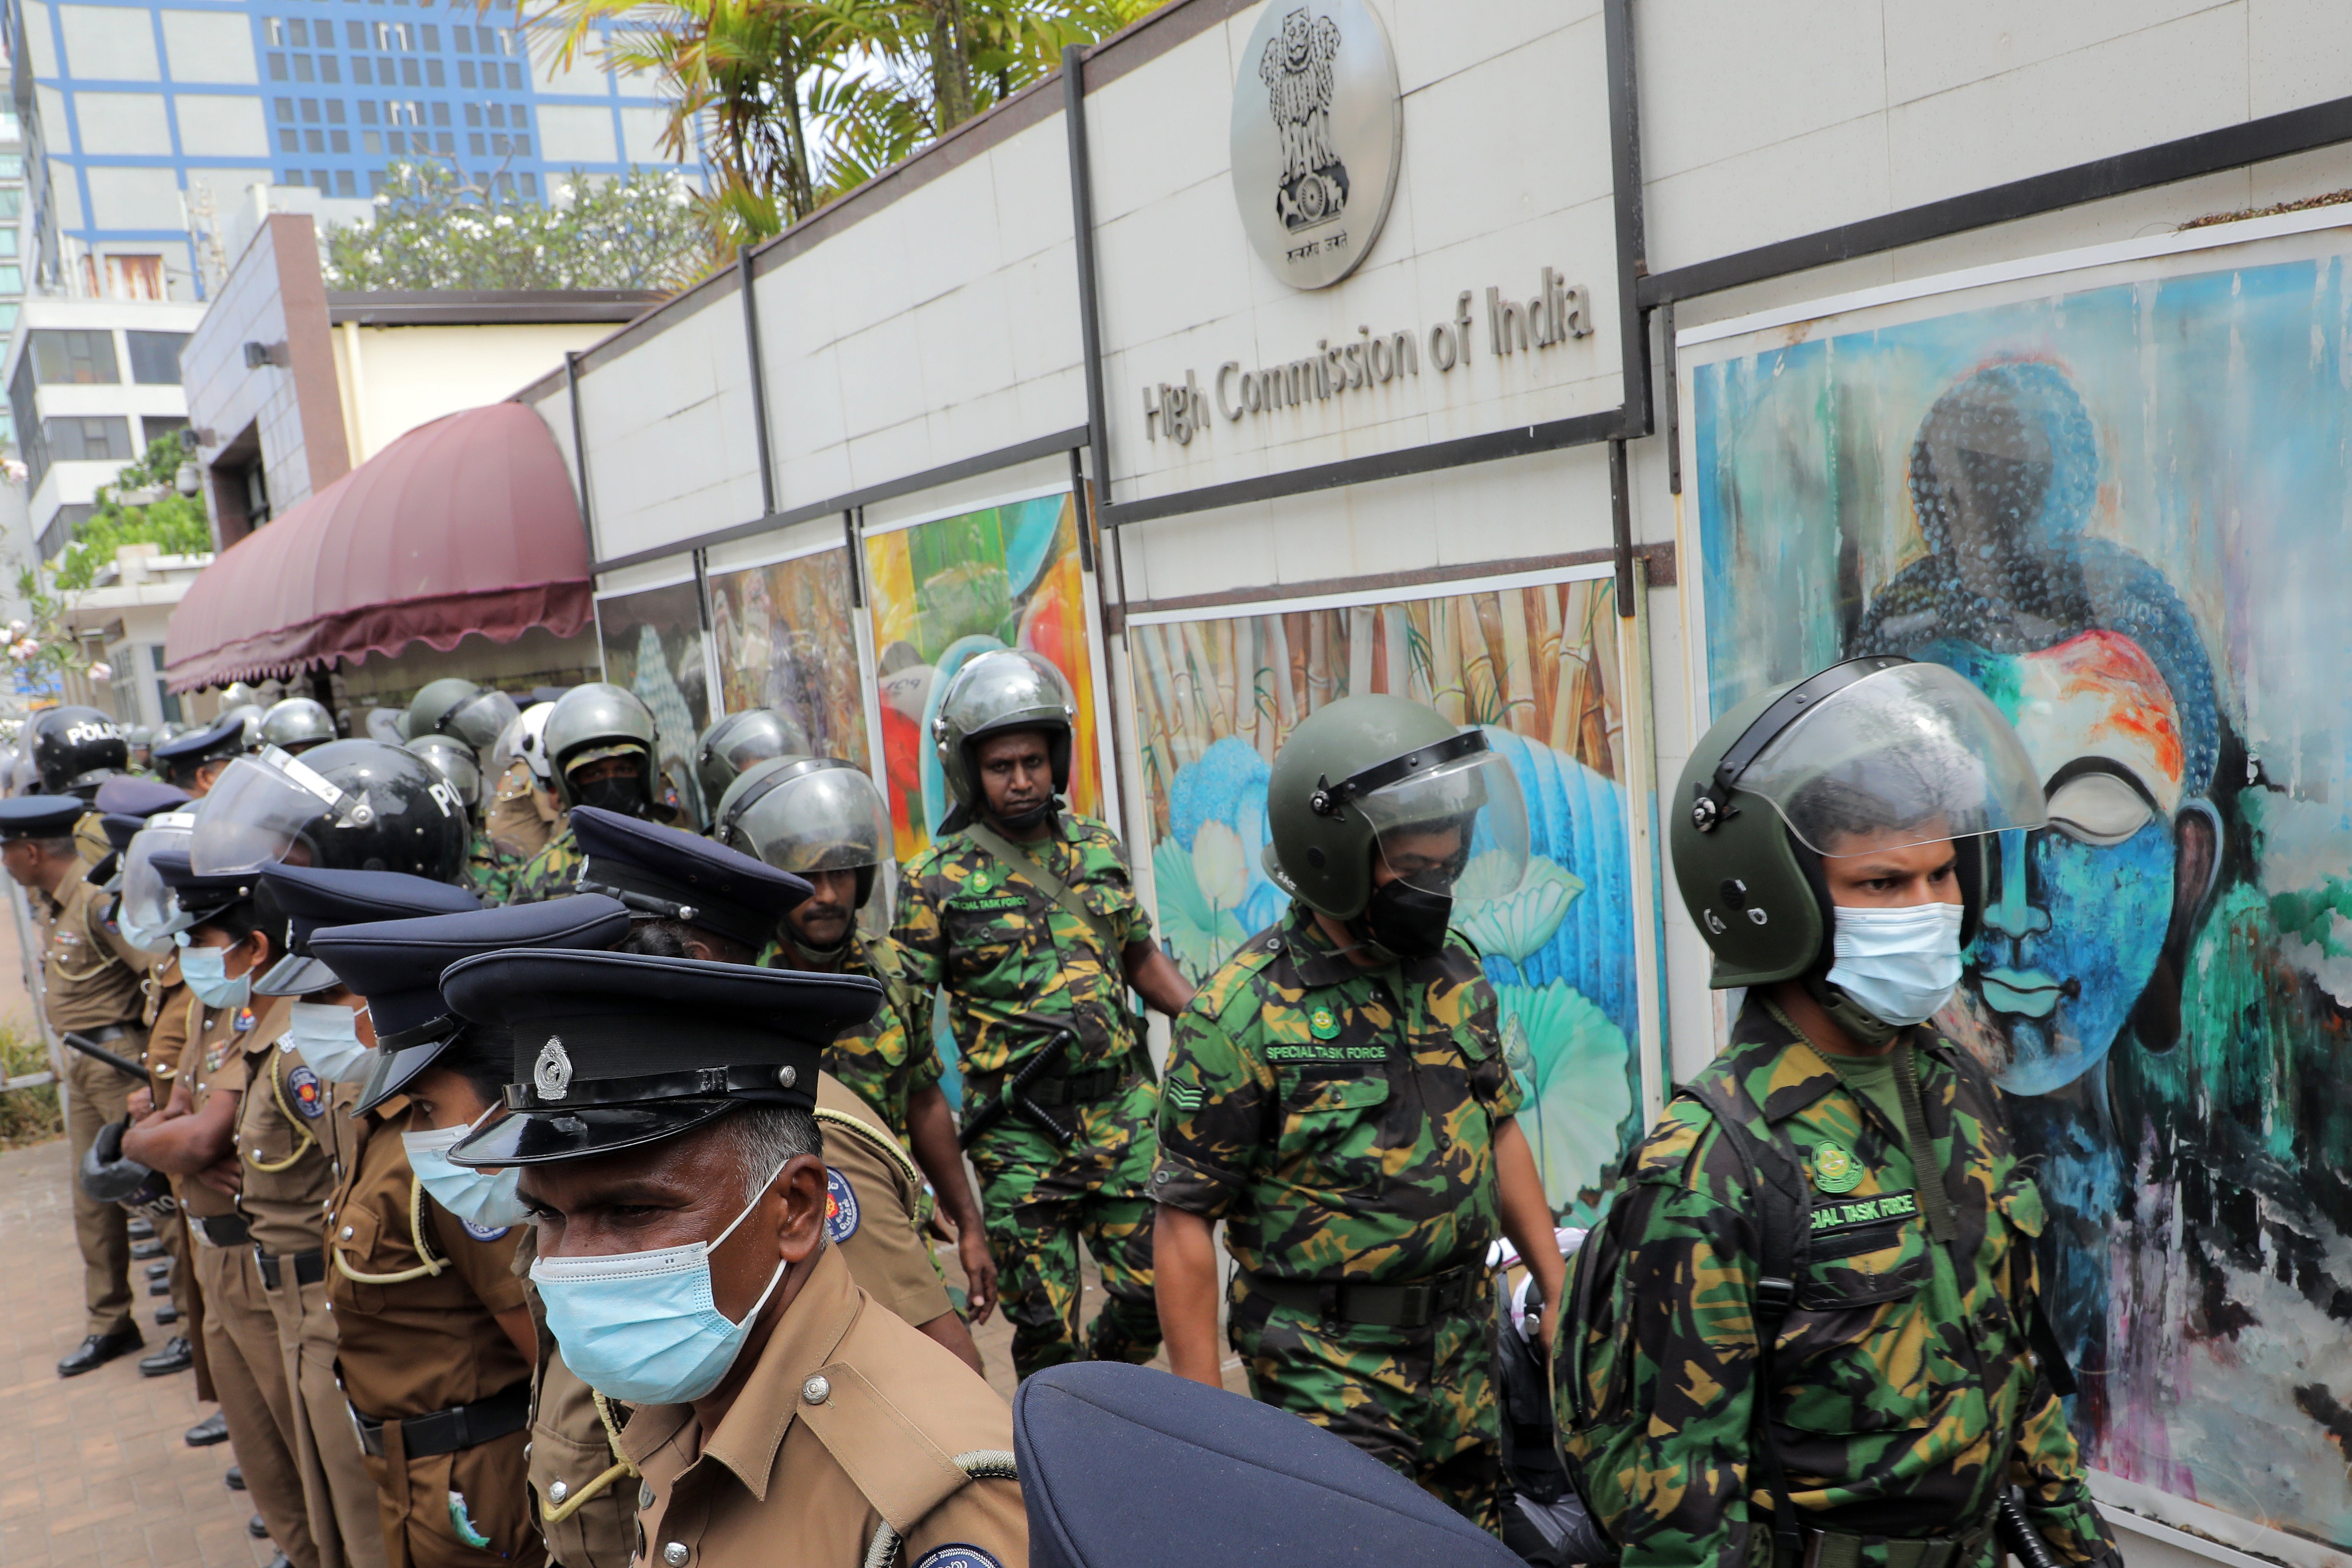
(222, 1229)
(104, 1033)
(1410, 1306)
(309, 1267)
(447, 1431)
(1084, 1087)
(1829, 1549)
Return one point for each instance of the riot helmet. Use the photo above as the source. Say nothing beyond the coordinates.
(454, 760)
(74, 750)
(738, 742)
(353, 805)
(808, 813)
(995, 693)
(140, 740)
(147, 912)
(297, 724)
(249, 714)
(1386, 778)
(238, 694)
(387, 725)
(526, 741)
(589, 725)
(1872, 754)
(455, 706)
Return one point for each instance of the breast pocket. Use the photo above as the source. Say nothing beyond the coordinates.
(353, 1242)
(1853, 1355)
(1332, 1131)
(984, 932)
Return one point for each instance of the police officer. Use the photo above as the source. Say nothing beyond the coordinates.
(823, 820)
(489, 872)
(1028, 917)
(297, 724)
(75, 750)
(223, 946)
(738, 742)
(194, 760)
(599, 743)
(1807, 1330)
(1337, 1094)
(669, 1153)
(520, 814)
(693, 898)
(89, 986)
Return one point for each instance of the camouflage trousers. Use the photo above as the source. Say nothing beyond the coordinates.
(1421, 1401)
(1038, 1202)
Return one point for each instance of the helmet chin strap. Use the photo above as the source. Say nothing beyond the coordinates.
(1863, 1026)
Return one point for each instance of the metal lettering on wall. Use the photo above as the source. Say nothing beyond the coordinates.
(1554, 315)
(1318, 120)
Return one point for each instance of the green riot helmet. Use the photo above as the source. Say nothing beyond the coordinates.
(590, 723)
(740, 742)
(1389, 778)
(454, 762)
(1877, 753)
(297, 724)
(994, 693)
(455, 706)
(808, 813)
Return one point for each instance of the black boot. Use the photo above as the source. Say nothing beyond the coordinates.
(97, 1350)
(212, 1428)
(235, 1478)
(175, 1356)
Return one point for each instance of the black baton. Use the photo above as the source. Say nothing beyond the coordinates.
(2024, 1542)
(97, 1052)
(1015, 1094)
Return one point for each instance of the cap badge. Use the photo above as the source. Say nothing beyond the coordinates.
(551, 1075)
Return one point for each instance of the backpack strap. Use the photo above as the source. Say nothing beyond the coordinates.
(1772, 1174)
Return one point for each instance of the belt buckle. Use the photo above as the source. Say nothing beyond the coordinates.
(1416, 1304)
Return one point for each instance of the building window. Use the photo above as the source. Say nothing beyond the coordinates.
(12, 165)
(8, 317)
(498, 143)
(73, 356)
(344, 185)
(522, 146)
(473, 114)
(445, 143)
(375, 178)
(339, 140)
(434, 75)
(289, 140)
(408, 74)
(514, 79)
(360, 73)
(431, 35)
(530, 185)
(399, 144)
(367, 111)
(315, 140)
(355, 35)
(322, 181)
(155, 358)
(302, 72)
(498, 115)
(462, 39)
(371, 141)
(104, 440)
(278, 68)
(327, 71)
(284, 112)
(440, 114)
(297, 33)
(310, 112)
(155, 428)
(466, 77)
(275, 31)
(334, 111)
(474, 143)
(7, 242)
(11, 280)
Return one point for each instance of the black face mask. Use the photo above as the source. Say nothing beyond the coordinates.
(619, 792)
(1404, 921)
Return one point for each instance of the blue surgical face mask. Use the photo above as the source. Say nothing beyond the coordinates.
(642, 1326)
(481, 1200)
(1898, 965)
(205, 969)
(328, 1038)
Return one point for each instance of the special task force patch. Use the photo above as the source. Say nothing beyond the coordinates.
(841, 1216)
(309, 1095)
(1835, 1170)
(956, 1554)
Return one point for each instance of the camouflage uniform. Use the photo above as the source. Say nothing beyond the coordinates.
(1343, 1138)
(1016, 966)
(1905, 1395)
(550, 874)
(490, 871)
(888, 1060)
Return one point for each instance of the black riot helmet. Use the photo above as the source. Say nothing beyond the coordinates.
(352, 805)
(75, 750)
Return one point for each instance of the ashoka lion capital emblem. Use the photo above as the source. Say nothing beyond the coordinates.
(1300, 81)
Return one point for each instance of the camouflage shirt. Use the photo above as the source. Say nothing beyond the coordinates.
(1016, 963)
(550, 873)
(1341, 1120)
(490, 871)
(1906, 1395)
(890, 1058)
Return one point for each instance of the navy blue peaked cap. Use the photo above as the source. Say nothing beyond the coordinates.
(396, 965)
(121, 829)
(39, 816)
(201, 897)
(126, 796)
(224, 737)
(667, 872)
(1115, 1462)
(306, 898)
(615, 1049)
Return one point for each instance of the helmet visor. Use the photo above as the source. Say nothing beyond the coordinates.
(148, 911)
(830, 819)
(1910, 754)
(454, 764)
(480, 720)
(1448, 819)
(257, 811)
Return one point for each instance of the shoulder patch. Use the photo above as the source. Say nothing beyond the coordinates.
(841, 1216)
(483, 1232)
(309, 1095)
(956, 1554)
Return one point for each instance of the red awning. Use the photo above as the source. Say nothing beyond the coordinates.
(468, 525)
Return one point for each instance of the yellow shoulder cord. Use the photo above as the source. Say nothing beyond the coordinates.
(304, 1142)
(571, 1505)
(980, 1465)
(431, 1265)
(879, 1139)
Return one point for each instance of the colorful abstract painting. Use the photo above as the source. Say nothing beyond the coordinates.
(1537, 667)
(2119, 504)
(652, 641)
(785, 641)
(1003, 576)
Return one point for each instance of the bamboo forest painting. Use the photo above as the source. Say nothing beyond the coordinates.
(1537, 666)
(2119, 504)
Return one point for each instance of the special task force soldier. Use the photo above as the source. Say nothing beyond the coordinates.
(1808, 1330)
(1027, 916)
(457, 713)
(599, 741)
(669, 1156)
(1337, 1094)
(821, 820)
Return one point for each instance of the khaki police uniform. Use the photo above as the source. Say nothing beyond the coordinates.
(851, 1423)
(89, 985)
(165, 1019)
(440, 1393)
(584, 1490)
(285, 1144)
(249, 1372)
